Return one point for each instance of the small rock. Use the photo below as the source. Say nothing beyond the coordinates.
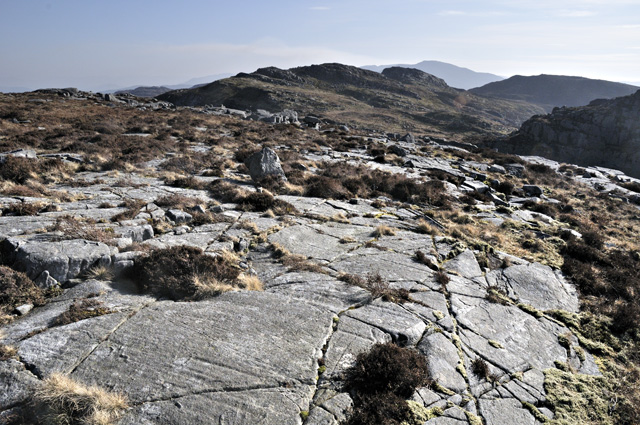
(495, 168)
(264, 164)
(408, 138)
(532, 190)
(24, 309)
(179, 216)
(45, 281)
(515, 169)
(398, 150)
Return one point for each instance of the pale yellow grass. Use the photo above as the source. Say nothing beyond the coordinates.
(74, 402)
(384, 230)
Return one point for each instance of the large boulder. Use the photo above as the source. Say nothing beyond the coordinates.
(264, 164)
(60, 260)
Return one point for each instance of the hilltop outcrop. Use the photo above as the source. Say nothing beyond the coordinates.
(605, 133)
(398, 99)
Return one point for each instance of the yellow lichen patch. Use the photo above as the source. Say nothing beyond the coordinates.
(578, 398)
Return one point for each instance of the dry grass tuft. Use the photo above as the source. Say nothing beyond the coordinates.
(295, 262)
(426, 228)
(71, 402)
(99, 273)
(250, 282)
(383, 230)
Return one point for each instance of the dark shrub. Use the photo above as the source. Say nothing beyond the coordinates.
(183, 272)
(257, 201)
(189, 182)
(263, 201)
(593, 239)
(223, 191)
(326, 187)
(81, 310)
(505, 187)
(442, 277)
(16, 289)
(480, 368)
(580, 251)
(380, 409)
(625, 317)
(584, 277)
(387, 368)
(17, 170)
(21, 209)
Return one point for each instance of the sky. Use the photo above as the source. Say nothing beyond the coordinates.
(107, 44)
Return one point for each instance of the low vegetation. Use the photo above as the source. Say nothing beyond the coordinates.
(380, 382)
(80, 310)
(17, 289)
(187, 273)
(66, 401)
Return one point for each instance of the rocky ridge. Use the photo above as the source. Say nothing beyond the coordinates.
(280, 356)
(398, 99)
(605, 133)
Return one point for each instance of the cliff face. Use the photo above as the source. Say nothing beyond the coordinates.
(604, 133)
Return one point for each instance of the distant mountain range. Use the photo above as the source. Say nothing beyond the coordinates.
(398, 99)
(455, 76)
(549, 91)
(153, 91)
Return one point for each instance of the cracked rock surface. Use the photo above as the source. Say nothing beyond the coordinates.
(279, 356)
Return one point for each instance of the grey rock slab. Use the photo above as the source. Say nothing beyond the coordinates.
(404, 327)
(537, 285)
(235, 342)
(63, 260)
(362, 207)
(320, 416)
(504, 411)
(199, 240)
(341, 230)
(338, 405)
(61, 348)
(309, 242)
(464, 264)
(407, 243)
(257, 406)
(428, 305)
(455, 413)
(302, 204)
(17, 225)
(391, 266)
(179, 216)
(426, 397)
(471, 288)
(525, 341)
(16, 384)
(443, 358)
(318, 289)
(444, 420)
(350, 339)
(136, 233)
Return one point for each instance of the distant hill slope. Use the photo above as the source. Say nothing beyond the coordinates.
(146, 91)
(550, 91)
(398, 99)
(455, 76)
(605, 133)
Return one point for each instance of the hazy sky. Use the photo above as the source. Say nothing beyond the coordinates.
(96, 44)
